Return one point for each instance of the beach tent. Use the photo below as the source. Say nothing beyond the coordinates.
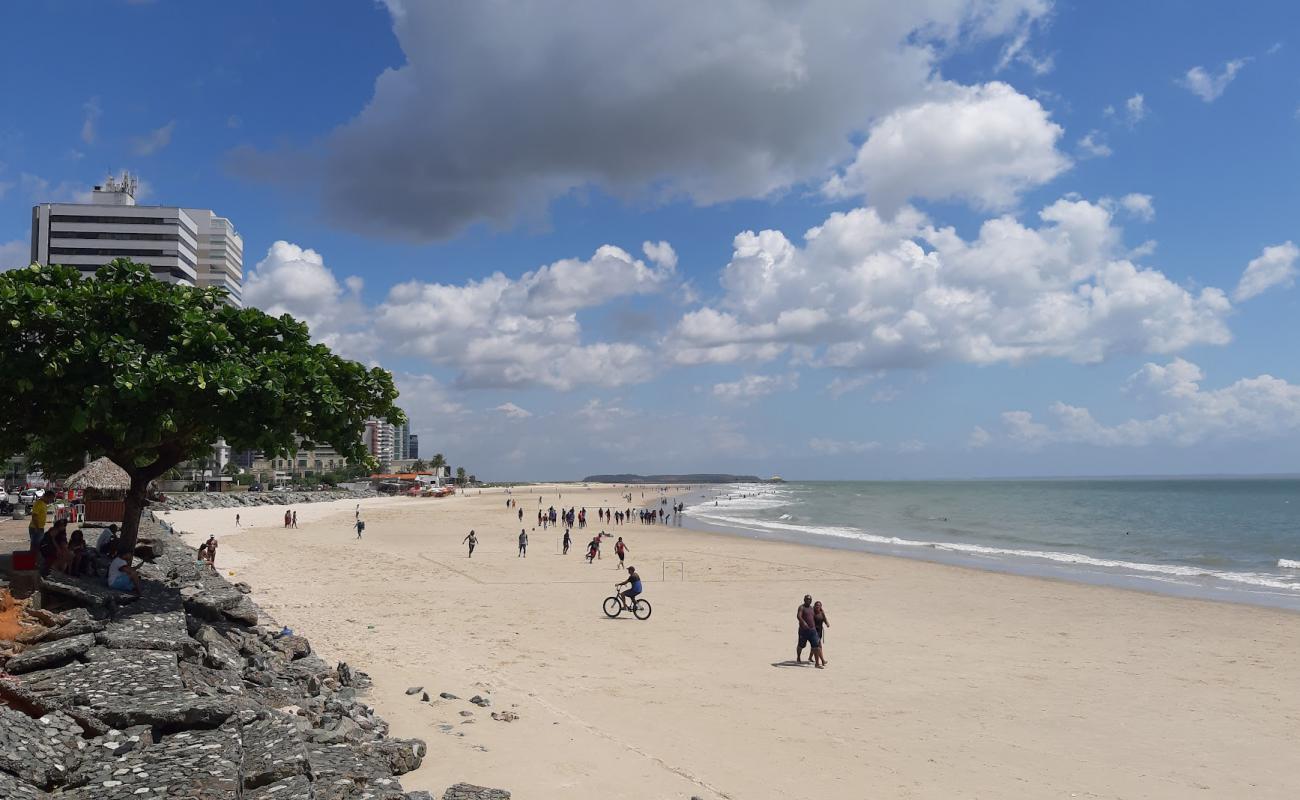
(104, 485)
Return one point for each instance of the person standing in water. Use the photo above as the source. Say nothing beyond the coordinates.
(471, 540)
(523, 543)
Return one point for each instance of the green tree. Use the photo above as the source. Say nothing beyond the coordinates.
(231, 469)
(460, 475)
(151, 374)
(418, 466)
(437, 463)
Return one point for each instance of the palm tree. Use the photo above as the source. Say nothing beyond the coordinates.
(438, 463)
(460, 475)
(418, 465)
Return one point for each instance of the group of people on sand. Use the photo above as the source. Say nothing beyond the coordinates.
(812, 632)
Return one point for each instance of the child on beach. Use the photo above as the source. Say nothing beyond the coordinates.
(471, 540)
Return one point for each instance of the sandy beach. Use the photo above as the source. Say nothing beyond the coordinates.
(942, 682)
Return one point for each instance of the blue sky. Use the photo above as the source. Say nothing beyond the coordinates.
(1036, 219)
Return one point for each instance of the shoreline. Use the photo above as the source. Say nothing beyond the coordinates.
(1210, 588)
(944, 681)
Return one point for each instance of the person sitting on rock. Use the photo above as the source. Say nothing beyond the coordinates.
(122, 576)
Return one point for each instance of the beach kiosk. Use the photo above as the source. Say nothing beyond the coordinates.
(104, 486)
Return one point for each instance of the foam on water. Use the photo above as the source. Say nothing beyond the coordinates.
(1286, 563)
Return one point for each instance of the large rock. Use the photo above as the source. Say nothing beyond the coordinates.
(37, 751)
(401, 755)
(50, 654)
(13, 789)
(468, 791)
(165, 710)
(273, 751)
(343, 772)
(217, 603)
(295, 788)
(219, 652)
(195, 765)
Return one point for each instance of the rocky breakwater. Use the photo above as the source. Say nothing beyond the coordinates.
(187, 501)
(183, 692)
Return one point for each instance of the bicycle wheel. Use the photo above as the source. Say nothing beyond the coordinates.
(641, 609)
(612, 607)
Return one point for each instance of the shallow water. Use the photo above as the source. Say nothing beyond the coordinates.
(1233, 539)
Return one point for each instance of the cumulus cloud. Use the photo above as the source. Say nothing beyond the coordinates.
(295, 280)
(1250, 409)
(1139, 205)
(1276, 266)
(709, 101)
(752, 387)
(982, 144)
(866, 292)
(835, 447)
(1135, 108)
(840, 386)
(1209, 86)
(978, 438)
(513, 411)
(495, 332)
(1093, 145)
(153, 141)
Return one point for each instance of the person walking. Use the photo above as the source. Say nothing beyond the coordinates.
(620, 550)
(295, 519)
(808, 633)
(288, 518)
(236, 520)
(567, 541)
(36, 526)
(819, 618)
(471, 540)
(523, 543)
(361, 526)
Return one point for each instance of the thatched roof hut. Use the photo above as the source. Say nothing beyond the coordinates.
(101, 475)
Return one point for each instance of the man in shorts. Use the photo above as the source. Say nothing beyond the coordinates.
(523, 543)
(621, 550)
(628, 597)
(808, 633)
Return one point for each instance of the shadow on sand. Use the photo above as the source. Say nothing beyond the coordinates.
(792, 664)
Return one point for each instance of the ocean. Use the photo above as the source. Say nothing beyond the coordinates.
(1222, 539)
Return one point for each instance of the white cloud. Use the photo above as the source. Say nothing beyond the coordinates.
(1257, 408)
(1136, 108)
(1139, 205)
(496, 331)
(1093, 145)
(295, 280)
(710, 101)
(1276, 266)
(513, 411)
(981, 144)
(154, 140)
(978, 438)
(40, 190)
(1208, 86)
(910, 446)
(841, 386)
(751, 387)
(90, 121)
(866, 293)
(15, 254)
(835, 447)
(887, 394)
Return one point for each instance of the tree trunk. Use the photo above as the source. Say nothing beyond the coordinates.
(136, 500)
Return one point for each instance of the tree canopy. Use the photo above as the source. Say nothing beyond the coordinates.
(152, 374)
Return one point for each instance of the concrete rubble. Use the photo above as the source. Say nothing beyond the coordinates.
(191, 500)
(186, 692)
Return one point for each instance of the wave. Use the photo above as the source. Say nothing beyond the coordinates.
(1264, 580)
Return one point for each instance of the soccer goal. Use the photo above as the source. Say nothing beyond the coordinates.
(678, 566)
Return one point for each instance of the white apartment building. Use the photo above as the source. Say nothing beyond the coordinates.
(187, 246)
(380, 438)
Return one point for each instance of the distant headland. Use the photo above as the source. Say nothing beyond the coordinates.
(703, 477)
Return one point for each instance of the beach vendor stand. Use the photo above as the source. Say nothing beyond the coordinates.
(103, 485)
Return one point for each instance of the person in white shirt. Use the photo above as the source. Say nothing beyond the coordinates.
(122, 576)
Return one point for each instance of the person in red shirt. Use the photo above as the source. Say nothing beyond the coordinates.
(620, 550)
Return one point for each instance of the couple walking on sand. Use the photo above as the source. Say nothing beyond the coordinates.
(812, 625)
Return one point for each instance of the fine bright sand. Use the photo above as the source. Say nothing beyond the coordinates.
(942, 682)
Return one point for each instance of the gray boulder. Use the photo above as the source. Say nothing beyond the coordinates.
(50, 654)
(468, 791)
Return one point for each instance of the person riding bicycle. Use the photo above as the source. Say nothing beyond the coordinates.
(633, 590)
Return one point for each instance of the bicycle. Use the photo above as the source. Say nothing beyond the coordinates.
(616, 605)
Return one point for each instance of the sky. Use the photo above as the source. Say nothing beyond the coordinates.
(826, 239)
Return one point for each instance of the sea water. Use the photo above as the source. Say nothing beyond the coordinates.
(1228, 539)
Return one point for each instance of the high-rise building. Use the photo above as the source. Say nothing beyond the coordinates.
(413, 446)
(403, 443)
(380, 438)
(187, 246)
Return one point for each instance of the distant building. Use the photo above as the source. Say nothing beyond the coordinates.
(301, 463)
(413, 446)
(187, 246)
(402, 444)
(382, 440)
